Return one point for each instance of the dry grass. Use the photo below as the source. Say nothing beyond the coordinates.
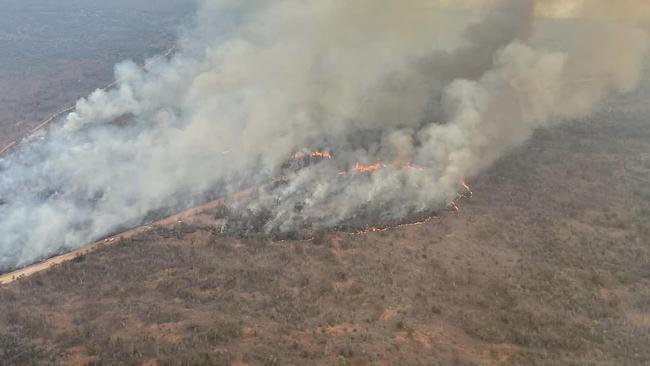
(547, 265)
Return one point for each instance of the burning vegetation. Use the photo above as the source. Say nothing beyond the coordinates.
(367, 168)
(392, 120)
(236, 218)
(312, 154)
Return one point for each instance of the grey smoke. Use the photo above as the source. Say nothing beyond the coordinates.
(367, 80)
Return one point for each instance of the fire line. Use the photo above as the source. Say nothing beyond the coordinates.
(88, 248)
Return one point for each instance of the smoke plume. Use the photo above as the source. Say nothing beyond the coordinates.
(371, 80)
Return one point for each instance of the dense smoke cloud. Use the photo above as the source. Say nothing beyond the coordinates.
(252, 84)
(626, 10)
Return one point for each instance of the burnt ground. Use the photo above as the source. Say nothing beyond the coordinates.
(548, 264)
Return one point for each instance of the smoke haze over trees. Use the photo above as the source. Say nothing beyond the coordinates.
(370, 81)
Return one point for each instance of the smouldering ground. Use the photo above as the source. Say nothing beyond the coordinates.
(549, 264)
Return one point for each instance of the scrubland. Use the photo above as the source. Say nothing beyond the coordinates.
(548, 264)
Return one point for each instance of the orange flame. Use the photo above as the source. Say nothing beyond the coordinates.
(314, 154)
(369, 168)
(321, 154)
(468, 190)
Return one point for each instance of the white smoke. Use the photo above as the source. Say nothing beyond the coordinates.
(368, 80)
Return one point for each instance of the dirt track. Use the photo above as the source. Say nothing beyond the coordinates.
(546, 265)
(38, 267)
(46, 122)
(85, 249)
